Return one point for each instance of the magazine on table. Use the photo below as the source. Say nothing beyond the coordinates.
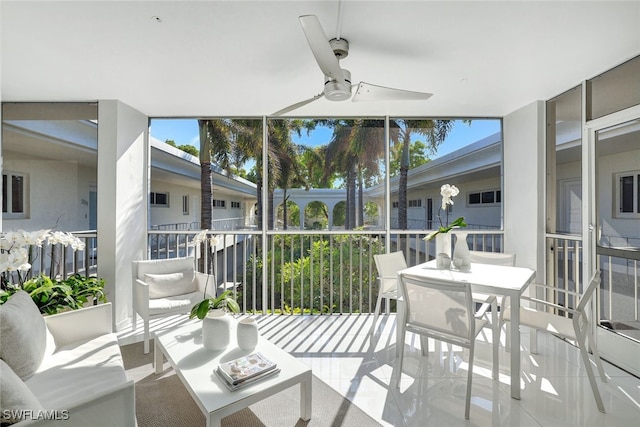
(248, 381)
(246, 367)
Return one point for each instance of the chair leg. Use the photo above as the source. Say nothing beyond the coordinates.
(533, 341)
(507, 336)
(424, 345)
(134, 325)
(596, 354)
(495, 338)
(146, 336)
(589, 368)
(467, 405)
(375, 314)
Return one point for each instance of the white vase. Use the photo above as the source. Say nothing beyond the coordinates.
(443, 244)
(216, 330)
(461, 256)
(247, 334)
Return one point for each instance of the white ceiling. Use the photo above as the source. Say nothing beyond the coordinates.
(238, 58)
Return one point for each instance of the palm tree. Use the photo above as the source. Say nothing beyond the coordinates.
(215, 145)
(340, 157)
(435, 132)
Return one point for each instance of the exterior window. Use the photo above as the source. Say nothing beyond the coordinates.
(488, 197)
(13, 194)
(219, 203)
(491, 197)
(395, 204)
(628, 195)
(185, 204)
(417, 203)
(159, 199)
(235, 205)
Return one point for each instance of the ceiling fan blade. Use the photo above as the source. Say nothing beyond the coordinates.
(319, 44)
(368, 92)
(297, 105)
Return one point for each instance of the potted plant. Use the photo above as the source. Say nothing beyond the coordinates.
(442, 235)
(224, 302)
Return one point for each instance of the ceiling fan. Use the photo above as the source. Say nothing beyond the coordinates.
(337, 81)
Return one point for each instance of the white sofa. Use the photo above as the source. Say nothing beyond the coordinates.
(162, 287)
(80, 380)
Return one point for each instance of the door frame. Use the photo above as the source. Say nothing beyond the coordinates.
(619, 350)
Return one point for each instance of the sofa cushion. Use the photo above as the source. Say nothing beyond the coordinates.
(77, 372)
(23, 334)
(175, 304)
(170, 284)
(14, 395)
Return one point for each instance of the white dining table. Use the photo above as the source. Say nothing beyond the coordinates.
(487, 279)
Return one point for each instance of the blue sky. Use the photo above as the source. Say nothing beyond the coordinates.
(185, 131)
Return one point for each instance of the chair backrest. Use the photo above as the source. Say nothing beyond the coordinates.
(588, 292)
(495, 258)
(161, 266)
(388, 266)
(444, 308)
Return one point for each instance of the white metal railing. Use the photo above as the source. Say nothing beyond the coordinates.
(618, 295)
(307, 271)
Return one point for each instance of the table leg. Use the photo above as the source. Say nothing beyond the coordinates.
(515, 346)
(399, 319)
(305, 398)
(157, 357)
(214, 420)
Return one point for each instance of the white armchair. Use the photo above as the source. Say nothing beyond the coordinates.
(569, 323)
(443, 311)
(167, 286)
(388, 266)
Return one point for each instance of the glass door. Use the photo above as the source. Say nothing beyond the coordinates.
(616, 243)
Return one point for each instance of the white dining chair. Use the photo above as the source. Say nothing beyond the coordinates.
(388, 266)
(495, 303)
(444, 311)
(573, 324)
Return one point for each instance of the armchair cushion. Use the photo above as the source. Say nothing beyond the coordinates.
(170, 284)
(23, 335)
(14, 395)
(174, 304)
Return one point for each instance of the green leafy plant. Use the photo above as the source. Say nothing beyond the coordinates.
(223, 301)
(54, 296)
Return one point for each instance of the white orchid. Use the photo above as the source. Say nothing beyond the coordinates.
(448, 192)
(201, 237)
(15, 246)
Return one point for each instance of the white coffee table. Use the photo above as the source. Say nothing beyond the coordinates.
(195, 366)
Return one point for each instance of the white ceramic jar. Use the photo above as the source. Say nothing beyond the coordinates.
(216, 330)
(247, 333)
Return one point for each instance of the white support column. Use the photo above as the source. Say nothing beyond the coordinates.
(123, 173)
(523, 188)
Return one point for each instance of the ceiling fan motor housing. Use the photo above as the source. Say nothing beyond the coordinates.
(336, 91)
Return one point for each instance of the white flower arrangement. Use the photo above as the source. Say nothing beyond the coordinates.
(448, 192)
(15, 247)
(201, 237)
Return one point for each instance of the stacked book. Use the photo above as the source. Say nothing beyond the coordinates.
(246, 370)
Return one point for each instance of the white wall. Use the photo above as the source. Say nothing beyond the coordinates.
(70, 184)
(123, 170)
(486, 215)
(523, 190)
(172, 214)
